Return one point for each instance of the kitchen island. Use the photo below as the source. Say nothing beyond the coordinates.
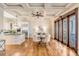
(13, 39)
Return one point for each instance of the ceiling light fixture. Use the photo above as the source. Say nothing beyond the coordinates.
(38, 14)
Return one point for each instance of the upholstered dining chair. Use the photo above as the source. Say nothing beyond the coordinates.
(47, 38)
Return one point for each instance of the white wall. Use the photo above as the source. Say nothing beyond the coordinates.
(52, 27)
(42, 21)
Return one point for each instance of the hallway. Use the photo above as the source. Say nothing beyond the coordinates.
(29, 48)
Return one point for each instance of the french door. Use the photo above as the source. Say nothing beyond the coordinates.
(65, 38)
(72, 31)
(60, 30)
(54, 30)
(66, 29)
(57, 30)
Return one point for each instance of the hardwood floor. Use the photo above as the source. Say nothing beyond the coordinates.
(29, 48)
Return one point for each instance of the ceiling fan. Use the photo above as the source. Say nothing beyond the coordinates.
(37, 14)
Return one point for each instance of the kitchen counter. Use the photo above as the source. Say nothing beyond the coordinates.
(13, 39)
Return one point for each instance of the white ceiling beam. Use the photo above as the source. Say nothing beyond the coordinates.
(25, 5)
(3, 5)
(69, 4)
(13, 7)
(10, 12)
(77, 4)
(58, 13)
(62, 10)
(45, 5)
(58, 7)
(17, 13)
(14, 12)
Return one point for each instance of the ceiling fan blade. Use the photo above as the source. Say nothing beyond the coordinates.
(33, 14)
(41, 15)
(38, 14)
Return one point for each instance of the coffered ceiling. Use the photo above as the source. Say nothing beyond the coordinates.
(26, 9)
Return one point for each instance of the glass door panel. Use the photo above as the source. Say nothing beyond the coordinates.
(60, 30)
(65, 31)
(72, 32)
(56, 30)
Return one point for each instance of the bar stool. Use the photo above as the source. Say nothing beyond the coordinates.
(2, 47)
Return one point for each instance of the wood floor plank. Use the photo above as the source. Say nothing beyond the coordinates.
(30, 48)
